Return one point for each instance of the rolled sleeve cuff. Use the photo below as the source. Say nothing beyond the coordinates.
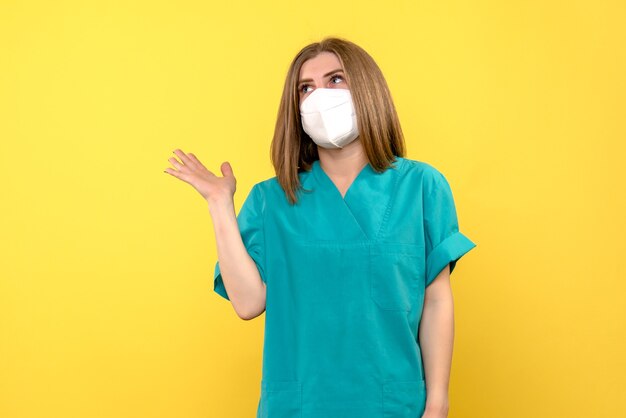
(218, 283)
(448, 251)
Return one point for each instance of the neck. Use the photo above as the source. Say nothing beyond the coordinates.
(344, 162)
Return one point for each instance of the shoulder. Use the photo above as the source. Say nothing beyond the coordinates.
(267, 190)
(425, 173)
(266, 185)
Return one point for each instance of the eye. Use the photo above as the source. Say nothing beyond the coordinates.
(304, 87)
(336, 77)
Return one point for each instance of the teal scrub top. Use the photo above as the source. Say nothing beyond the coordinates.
(345, 280)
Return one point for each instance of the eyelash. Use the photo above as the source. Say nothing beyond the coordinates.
(302, 87)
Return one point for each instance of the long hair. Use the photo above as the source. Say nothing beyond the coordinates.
(293, 151)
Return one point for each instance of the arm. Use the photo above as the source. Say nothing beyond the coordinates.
(241, 277)
(436, 341)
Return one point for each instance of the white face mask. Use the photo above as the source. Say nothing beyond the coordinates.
(328, 117)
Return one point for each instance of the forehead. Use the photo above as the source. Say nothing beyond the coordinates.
(320, 64)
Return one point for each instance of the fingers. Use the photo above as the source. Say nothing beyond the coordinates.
(226, 169)
(195, 159)
(188, 161)
(178, 173)
(184, 158)
(175, 163)
(174, 173)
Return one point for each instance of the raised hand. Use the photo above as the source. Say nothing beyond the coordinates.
(212, 188)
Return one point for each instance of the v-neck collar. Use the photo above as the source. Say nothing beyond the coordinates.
(321, 176)
(362, 212)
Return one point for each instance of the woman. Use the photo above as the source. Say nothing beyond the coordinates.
(348, 250)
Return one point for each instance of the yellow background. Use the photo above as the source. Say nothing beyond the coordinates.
(107, 306)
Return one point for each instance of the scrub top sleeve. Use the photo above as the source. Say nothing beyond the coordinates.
(445, 244)
(250, 222)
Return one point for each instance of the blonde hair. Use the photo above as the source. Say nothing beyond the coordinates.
(293, 151)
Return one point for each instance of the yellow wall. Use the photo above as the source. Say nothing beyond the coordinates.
(107, 306)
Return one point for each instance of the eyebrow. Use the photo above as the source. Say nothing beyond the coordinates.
(325, 75)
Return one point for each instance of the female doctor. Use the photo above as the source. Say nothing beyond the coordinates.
(348, 250)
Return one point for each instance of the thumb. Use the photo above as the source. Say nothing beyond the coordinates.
(226, 169)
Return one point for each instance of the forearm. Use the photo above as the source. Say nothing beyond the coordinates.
(436, 342)
(240, 274)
